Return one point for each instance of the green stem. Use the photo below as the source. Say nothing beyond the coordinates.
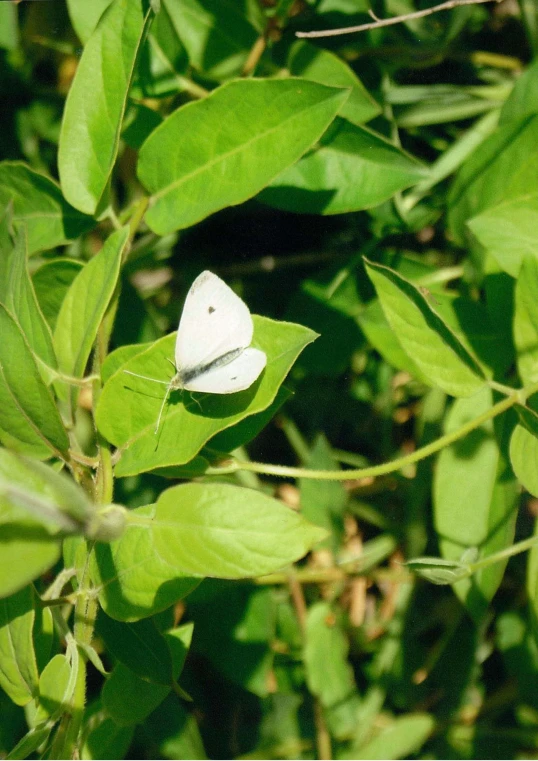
(508, 552)
(285, 471)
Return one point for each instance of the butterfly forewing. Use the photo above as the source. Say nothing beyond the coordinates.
(215, 322)
(236, 375)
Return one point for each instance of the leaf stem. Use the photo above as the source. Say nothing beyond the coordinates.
(516, 396)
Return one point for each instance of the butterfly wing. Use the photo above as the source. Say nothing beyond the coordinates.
(215, 321)
(237, 375)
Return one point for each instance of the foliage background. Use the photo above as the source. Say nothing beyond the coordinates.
(359, 660)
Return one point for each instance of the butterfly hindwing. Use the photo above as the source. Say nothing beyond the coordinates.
(237, 375)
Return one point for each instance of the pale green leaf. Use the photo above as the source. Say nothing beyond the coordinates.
(226, 531)
(85, 304)
(91, 125)
(310, 62)
(84, 16)
(29, 419)
(54, 688)
(128, 408)
(424, 336)
(224, 149)
(18, 668)
(509, 231)
(525, 324)
(524, 458)
(38, 205)
(403, 738)
(353, 168)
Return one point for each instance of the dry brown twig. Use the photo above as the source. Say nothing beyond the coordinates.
(446, 6)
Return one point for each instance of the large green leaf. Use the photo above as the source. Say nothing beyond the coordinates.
(96, 102)
(475, 500)
(509, 230)
(504, 167)
(128, 408)
(18, 295)
(352, 169)
(132, 579)
(29, 419)
(310, 62)
(218, 34)
(128, 699)
(18, 667)
(425, 337)
(38, 204)
(85, 304)
(227, 532)
(224, 149)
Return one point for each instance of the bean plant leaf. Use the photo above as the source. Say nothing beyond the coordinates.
(503, 167)
(128, 408)
(217, 34)
(509, 231)
(133, 581)
(39, 206)
(353, 168)
(85, 304)
(84, 16)
(128, 699)
(524, 458)
(525, 324)
(475, 500)
(18, 667)
(222, 150)
(18, 295)
(91, 126)
(423, 334)
(229, 532)
(402, 738)
(29, 418)
(51, 282)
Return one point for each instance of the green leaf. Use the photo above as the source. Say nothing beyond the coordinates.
(140, 646)
(18, 295)
(38, 205)
(504, 166)
(85, 304)
(54, 688)
(403, 738)
(475, 500)
(423, 334)
(128, 699)
(106, 740)
(310, 62)
(29, 419)
(328, 672)
(133, 580)
(51, 282)
(128, 408)
(18, 668)
(526, 320)
(509, 231)
(222, 150)
(84, 16)
(352, 169)
(227, 532)
(217, 34)
(91, 126)
(524, 458)
(438, 570)
(523, 100)
(9, 30)
(30, 742)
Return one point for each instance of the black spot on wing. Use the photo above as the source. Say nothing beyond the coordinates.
(211, 310)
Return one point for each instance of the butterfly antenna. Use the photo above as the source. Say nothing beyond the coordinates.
(161, 410)
(145, 377)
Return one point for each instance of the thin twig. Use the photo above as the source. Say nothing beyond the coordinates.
(446, 6)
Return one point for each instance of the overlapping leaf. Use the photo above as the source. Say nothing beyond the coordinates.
(224, 149)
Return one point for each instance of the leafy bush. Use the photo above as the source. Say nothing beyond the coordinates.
(316, 566)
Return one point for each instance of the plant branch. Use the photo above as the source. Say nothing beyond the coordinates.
(448, 5)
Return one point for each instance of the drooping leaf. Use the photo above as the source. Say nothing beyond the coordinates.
(91, 126)
(352, 169)
(38, 205)
(222, 150)
(423, 334)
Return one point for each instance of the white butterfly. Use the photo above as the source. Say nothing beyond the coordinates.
(213, 352)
